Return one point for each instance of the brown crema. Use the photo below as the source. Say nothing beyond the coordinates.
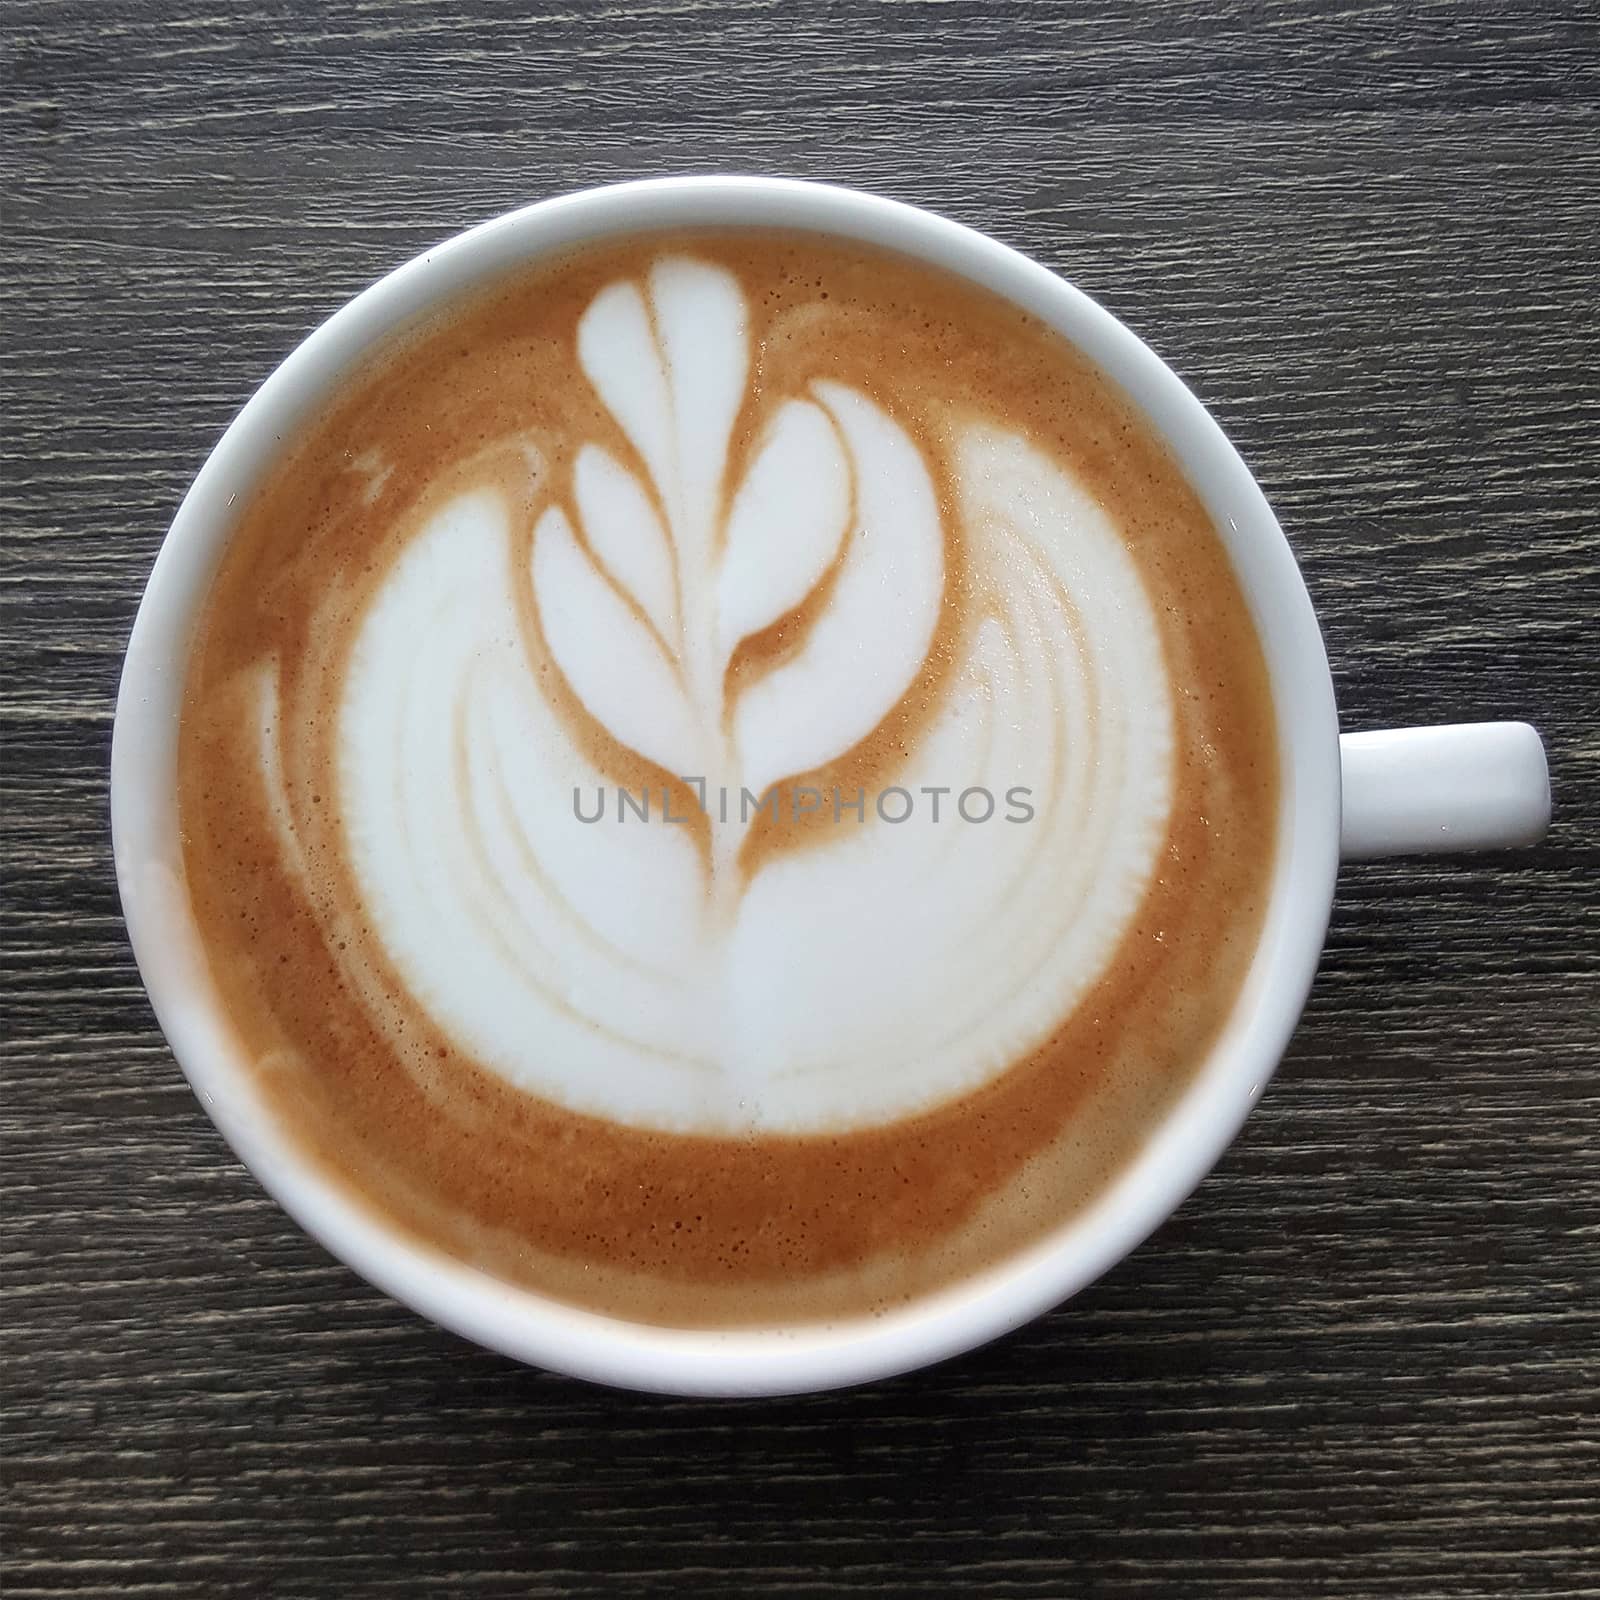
(680, 1229)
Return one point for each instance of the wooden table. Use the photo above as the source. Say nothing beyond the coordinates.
(1362, 1360)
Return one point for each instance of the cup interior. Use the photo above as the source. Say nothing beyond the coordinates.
(517, 1321)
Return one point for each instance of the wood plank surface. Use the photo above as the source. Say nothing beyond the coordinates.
(1362, 1360)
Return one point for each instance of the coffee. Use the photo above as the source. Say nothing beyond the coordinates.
(728, 779)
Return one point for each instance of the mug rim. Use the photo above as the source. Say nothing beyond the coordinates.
(1178, 1151)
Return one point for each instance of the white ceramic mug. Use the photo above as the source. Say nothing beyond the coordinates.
(1375, 793)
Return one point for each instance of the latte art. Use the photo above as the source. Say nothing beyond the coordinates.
(649, 976)
(727, 520)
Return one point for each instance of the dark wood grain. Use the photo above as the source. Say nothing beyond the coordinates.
(1362, 1361)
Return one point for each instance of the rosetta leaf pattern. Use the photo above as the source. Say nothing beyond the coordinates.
(626, 537)
(606, 656)
(647, 590)
(787, 522)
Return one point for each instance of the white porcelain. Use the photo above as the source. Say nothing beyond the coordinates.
(1447, 788)
(1468, 786)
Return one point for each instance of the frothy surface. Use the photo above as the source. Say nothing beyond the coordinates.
(725, 516)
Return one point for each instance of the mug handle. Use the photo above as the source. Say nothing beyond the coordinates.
(1466, 786)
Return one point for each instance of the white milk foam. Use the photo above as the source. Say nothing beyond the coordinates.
(615, 967)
